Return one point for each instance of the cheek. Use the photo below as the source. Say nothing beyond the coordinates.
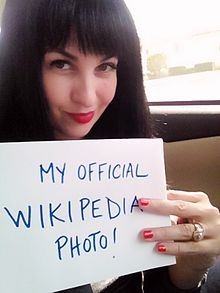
(54, 90)
(108, 91)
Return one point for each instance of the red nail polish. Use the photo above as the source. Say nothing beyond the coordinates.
(148, 234)
(144, 202)
(161, 248)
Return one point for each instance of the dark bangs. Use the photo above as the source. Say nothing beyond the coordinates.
(95, 25)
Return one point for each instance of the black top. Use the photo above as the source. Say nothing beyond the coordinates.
(212, 284)
(154, 281)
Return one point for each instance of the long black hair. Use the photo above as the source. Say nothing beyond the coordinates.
(30, 28)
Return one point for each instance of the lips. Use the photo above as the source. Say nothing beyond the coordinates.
(82, 118)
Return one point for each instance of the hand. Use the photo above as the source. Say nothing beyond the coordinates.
(193, 257)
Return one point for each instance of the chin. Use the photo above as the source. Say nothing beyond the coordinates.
(76, 136)
(72, 134)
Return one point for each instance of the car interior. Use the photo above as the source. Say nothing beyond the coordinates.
(182, 73)
(187, 121)
(191, 148)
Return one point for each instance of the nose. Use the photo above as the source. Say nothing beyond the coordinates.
(84, 90)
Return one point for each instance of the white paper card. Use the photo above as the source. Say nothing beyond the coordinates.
(69, 213)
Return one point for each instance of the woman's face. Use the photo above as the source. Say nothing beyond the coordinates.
(78, 88)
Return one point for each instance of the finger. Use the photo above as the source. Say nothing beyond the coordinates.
(179, 208)
(179, 248)
(182, 232)
(187, 196)
(208, 210)
(202, 247)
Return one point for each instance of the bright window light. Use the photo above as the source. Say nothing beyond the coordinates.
(180, 43)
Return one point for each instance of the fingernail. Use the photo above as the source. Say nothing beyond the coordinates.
(161, 248)
(148, 234)
(144, 202)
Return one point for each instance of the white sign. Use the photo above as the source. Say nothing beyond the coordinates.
(69, 211)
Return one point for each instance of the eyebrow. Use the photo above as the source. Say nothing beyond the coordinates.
(65, 53)
(73, 57)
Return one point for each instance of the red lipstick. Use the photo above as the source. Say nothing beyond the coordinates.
(82, 117)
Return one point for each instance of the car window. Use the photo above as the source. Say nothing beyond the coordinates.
(2, 4)
(180, 43)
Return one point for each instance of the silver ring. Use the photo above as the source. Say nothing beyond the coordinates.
(198, 233)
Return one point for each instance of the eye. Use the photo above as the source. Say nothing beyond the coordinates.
(108, 66)
(60, 64)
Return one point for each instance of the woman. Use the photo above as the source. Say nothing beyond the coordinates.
(71, 69)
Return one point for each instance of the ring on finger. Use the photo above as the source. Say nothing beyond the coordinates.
(198, 233)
